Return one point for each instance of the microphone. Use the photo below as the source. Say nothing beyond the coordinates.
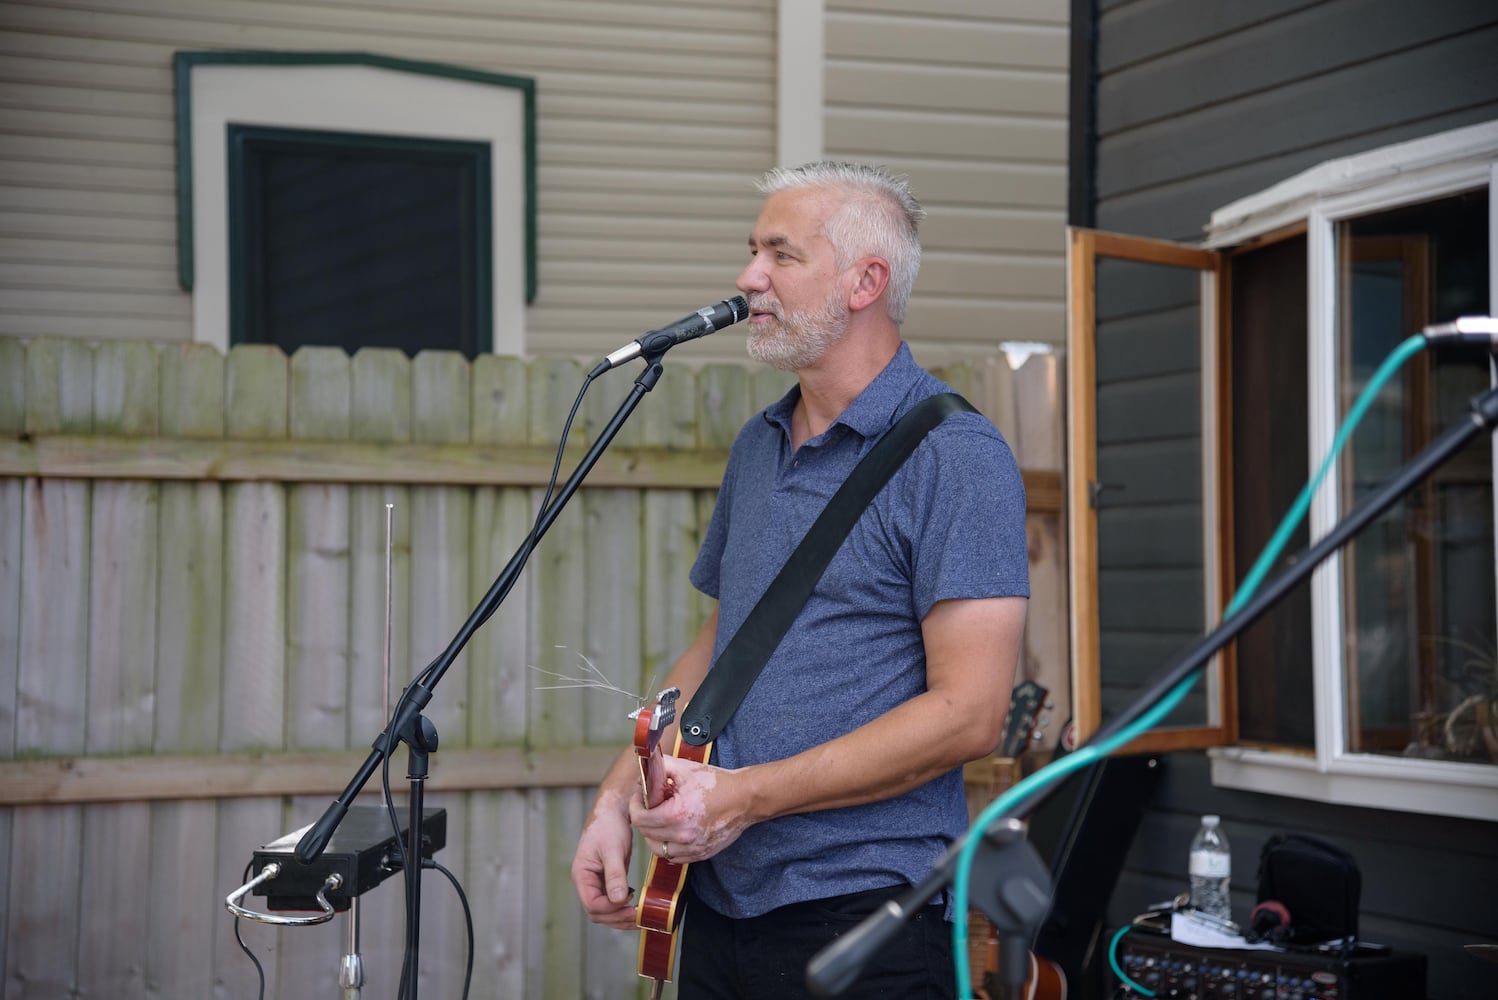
(708, 319)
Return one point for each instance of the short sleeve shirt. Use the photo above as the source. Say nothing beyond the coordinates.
(949, 524)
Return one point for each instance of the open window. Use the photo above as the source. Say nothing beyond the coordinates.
(1376, 682)
(1143, 316)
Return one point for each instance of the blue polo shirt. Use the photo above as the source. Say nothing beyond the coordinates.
(949, 524)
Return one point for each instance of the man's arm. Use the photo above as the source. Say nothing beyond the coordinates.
(972, 651)
(600, 868)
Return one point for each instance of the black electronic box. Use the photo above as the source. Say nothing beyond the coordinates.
(1187, 972)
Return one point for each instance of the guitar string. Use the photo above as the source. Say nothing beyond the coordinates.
(595, 679)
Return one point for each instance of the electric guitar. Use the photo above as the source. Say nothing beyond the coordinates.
(658, 912)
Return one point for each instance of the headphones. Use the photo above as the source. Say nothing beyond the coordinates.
(1270, 921)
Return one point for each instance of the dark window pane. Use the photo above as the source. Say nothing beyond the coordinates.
(358, 241)
(1422, 667)
(1269, 469)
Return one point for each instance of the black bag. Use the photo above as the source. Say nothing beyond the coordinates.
(1317, 882)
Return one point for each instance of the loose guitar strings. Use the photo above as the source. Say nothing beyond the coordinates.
(594, 679)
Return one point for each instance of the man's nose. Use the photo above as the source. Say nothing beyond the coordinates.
(753, 278)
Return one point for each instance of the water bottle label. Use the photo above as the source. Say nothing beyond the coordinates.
(1210, 864)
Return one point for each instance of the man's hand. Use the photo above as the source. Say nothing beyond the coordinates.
(600, 868)
(705, 810)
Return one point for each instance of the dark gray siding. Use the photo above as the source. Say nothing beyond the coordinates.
(1186, 106)
(1201, 103)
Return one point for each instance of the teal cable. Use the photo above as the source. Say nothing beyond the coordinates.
(1117, 969)
(1092, 753)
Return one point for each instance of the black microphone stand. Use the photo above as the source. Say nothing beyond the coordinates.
(407, 724)
(835, 967)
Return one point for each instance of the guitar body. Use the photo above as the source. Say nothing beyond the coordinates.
(658, 912)
(1044, 981)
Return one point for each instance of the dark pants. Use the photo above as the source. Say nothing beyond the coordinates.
(765, 958)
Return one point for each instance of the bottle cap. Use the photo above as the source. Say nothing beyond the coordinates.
(1210, 820)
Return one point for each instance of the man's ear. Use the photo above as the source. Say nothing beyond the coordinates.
(872, 279)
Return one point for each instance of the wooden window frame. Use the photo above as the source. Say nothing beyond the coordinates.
(1084, 248)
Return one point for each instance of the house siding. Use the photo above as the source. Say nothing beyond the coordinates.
(1195, 105)
(651, 119)
(969, 100)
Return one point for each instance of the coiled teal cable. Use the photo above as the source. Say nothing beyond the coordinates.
(1092, 753)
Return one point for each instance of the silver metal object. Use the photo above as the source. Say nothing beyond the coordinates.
(269, 872)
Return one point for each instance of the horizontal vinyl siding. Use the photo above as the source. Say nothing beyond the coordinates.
(1201, 104)
(968, 99)
(652, 120)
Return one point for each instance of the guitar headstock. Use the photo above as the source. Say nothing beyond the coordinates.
(1027, 703)
(651, 720)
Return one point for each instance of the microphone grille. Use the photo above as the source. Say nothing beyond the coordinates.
(739, 306)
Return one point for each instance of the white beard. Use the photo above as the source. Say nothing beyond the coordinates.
(797, 340)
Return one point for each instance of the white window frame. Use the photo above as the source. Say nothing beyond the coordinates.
(1321, 198)
(368, 99)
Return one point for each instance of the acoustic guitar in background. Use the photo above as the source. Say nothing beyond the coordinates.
(986, 779)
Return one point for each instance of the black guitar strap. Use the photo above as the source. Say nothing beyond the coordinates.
(747, 652)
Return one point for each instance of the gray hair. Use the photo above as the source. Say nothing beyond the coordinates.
(879, 217)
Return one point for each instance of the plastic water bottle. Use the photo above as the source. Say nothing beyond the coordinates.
(1211, 868)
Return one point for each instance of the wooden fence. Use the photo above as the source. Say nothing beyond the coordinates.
(193, 621)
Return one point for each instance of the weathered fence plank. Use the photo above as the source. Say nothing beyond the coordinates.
(254, 685)
(45, 906)
(12, 519)
(379, 630)
(558, 627)
(52, 680)
(70, 779)
(120, 718)
(498, 688)
(499, 675)
(52, 677)
(12, 498)
(192, 379)
(254, 658)
(12, 385)
(317, 621)
(441, 398)
(59, 387)
(380, 639)
(317, 604)
(187, 922)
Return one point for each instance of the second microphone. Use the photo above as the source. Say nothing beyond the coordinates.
(708, 319)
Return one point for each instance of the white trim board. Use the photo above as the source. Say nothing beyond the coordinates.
(1442, 163)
